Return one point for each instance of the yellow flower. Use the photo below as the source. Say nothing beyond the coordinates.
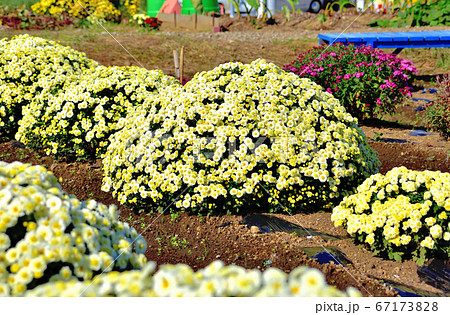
(427, 242)
(220, 102)
(311, 282)
(436, 231)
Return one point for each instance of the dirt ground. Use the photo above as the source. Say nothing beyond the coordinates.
(198, 240)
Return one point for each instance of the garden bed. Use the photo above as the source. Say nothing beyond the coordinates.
(198, 240)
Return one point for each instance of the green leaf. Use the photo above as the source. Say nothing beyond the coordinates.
(397, 256)
(435, 13)
(409, 20)
(323, 18)
(420, 261)
(374, 23)
(198, 6)
(253, 3)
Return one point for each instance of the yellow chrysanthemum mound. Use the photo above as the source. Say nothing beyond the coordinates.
(28, 66)
(47, 235)
(215, 280)
(131, 7)
(401, 215)
(239, 136)
(93, 10)
(78, 120)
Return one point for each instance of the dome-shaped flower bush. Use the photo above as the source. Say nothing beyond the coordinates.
(48, 235)
(215, 280)
(28, 66)
(77, 121)
(239, 136)
(401, 215)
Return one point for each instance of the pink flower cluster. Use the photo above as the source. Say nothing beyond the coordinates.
(379, 79)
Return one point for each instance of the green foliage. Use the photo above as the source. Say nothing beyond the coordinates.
(235, 4)
(198, 6)
(293, 3)
(253, 3)
(322, 18)
(18, 3)
(23, 18)
(438, 113)
(420, 13)
(377, 136)
(287, 13)
(342, 4)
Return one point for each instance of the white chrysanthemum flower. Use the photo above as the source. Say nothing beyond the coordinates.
(46, 242)
(311, 282)
(5, 242)
(213, 122)
(398, 217)
(164, 283)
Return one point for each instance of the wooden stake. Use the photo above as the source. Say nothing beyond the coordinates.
(175, 19)
(181, 64)
(177, 65)
(195, 21)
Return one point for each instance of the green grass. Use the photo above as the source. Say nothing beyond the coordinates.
(17, 3)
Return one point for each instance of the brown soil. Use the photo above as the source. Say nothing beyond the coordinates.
(196, 240)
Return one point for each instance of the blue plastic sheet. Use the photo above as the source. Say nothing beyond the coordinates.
(223, 225)
(408, 291)
(420, 108)
(326, 257)
(268, 224)
(393, 140)
(429, 90)
(437, 274)
(421, 133)
(326, 254)
(421, 99)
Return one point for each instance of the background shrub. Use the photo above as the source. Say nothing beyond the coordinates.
(401, 215)
(238, 137)
(418, 13)
(438, 113)
(47, 235)
(30, 66)
(366, 81)
(77, 121)
(143, 20)
(130, 7)
(19, 17)
(92, 10)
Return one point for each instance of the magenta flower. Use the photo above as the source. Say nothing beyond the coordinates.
(386, 77)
